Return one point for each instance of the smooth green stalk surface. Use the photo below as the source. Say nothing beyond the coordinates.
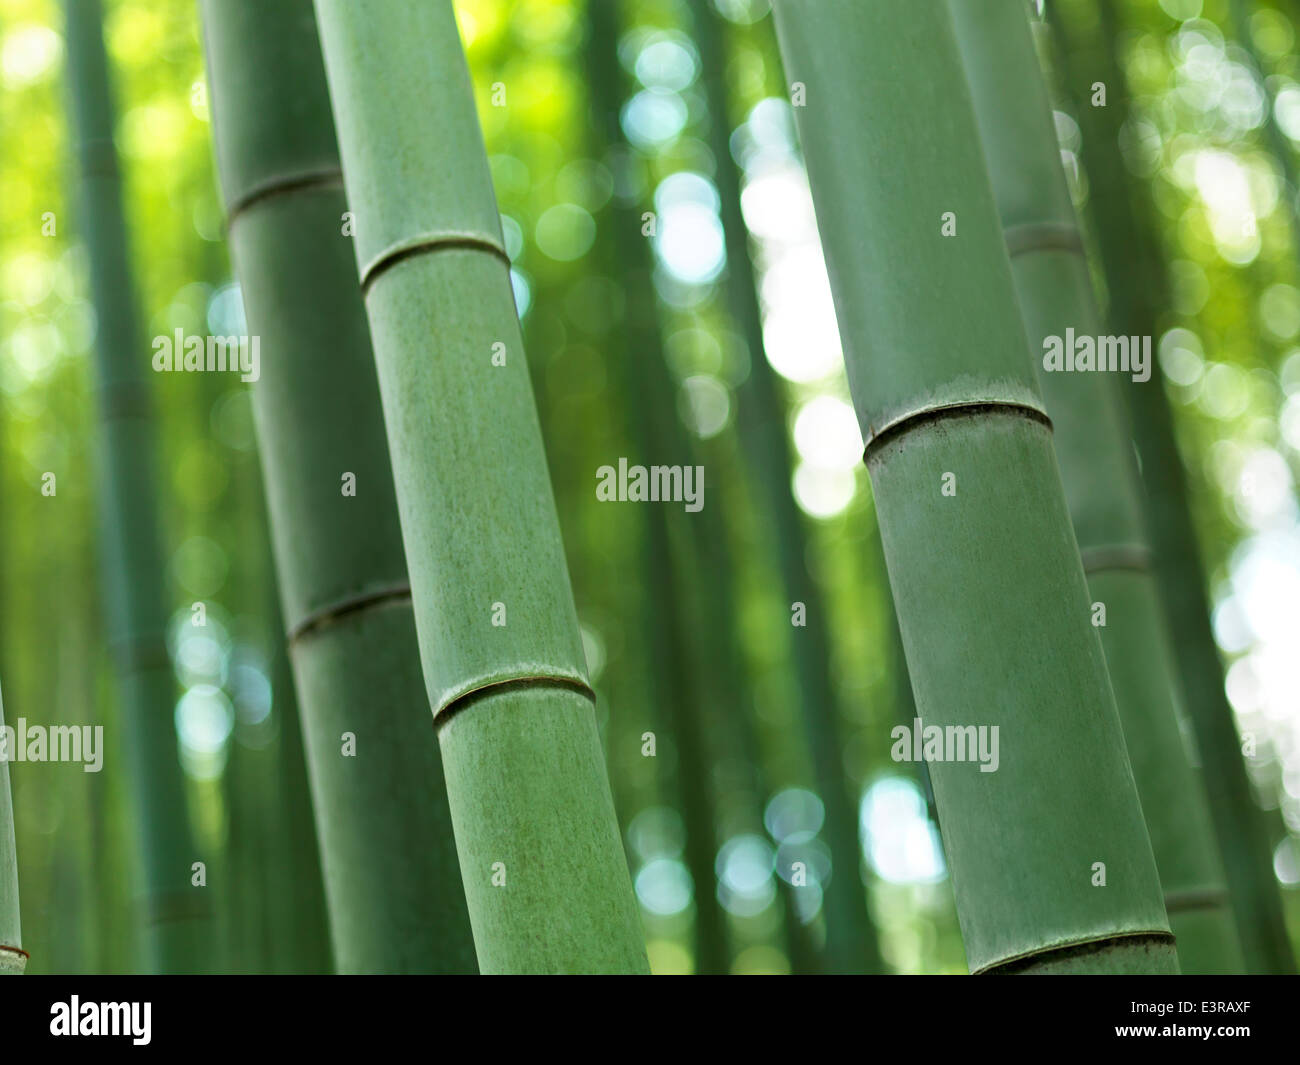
(1138, 298)
(544, 871)
(1050, 859)
(177, 914)
(1053, 284)
(13, 959)
(392, 876)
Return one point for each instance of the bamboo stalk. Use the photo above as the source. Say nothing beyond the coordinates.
(851, 943)
(177, 914)
(545, 875)
(1054, 286)
(13, 959)
(991, 596)
(392, 878)
(686, 704)
(1138, 289)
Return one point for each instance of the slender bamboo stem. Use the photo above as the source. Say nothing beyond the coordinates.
(1053, 283)
(1138, 294)
(992, 600)
(672, 625)
(851, 943)
(544, 871)
(13, 959)
(392, 878)
(177, 913)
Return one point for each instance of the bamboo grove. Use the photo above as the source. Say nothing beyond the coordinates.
(649, 486)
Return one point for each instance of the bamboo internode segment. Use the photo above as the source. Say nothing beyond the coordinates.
(1055, 291)
(493, 537)
(1051, 864)
(544, 871)
(390, 867)
(479, 520)
(134, 560)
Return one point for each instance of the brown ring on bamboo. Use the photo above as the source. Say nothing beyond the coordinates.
(329, 178)
(1042, 236)
(969, 408)
(98, 159)
(176, 906)
(1116, 556)
(1198, 899)
(428, 243)
(350, 604)
(124, 399)
(145, 651)
(493, 687)
(1021, 962)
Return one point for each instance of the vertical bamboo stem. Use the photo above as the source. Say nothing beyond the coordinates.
(392, 878)
(544, 871)
(1052, 281)
(177, 914)
(991, 597)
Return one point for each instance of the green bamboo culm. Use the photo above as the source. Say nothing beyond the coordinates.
(851, 942)
(1138, 291)
(392, 878)
(1051, 864)
(178, 934)
(1054, 285)
(545, 876)
(13, 959)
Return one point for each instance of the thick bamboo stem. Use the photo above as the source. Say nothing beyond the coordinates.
(391, 872)
(544, 871)
(1051, 864)
(1101, 487)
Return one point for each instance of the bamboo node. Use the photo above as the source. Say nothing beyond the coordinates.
(911, 419)
(350, 604)
(459, 702)
(1043, 236)
(428, 243)
(1116, 556)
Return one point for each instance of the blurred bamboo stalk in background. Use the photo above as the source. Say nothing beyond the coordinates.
(851, 941)
(177, 914)
(392, 877)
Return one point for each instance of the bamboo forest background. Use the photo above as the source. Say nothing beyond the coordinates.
(1209, 140)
